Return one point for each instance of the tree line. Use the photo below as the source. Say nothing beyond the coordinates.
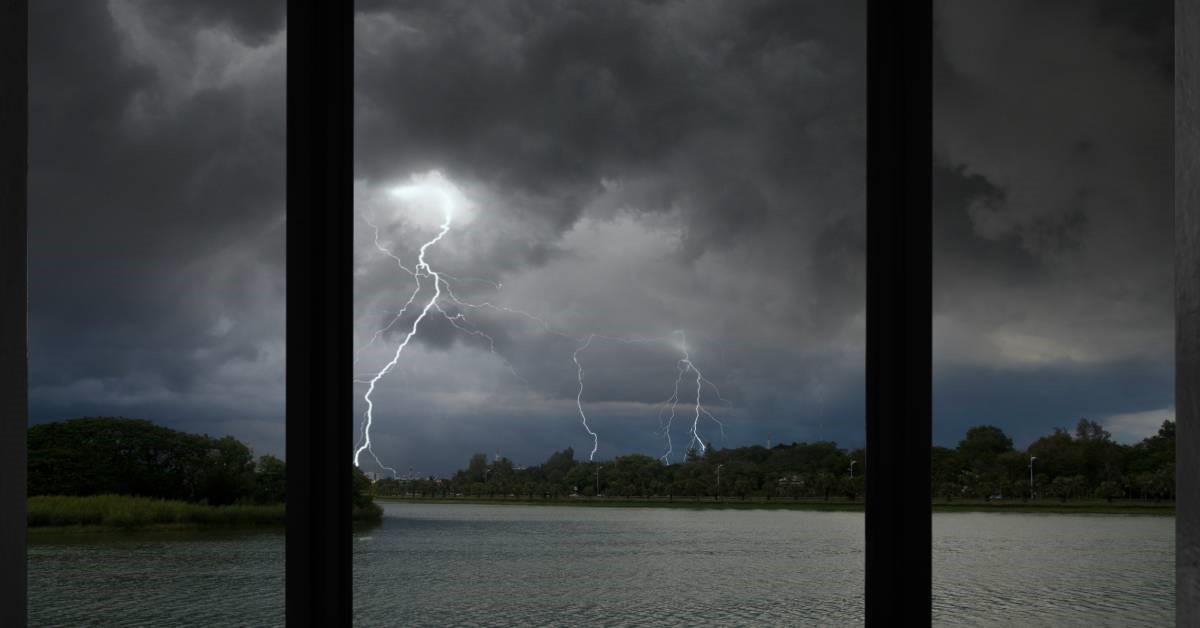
(984, 465)
(813, 470)
(121, 456)
(107, 455)
(1086, 463)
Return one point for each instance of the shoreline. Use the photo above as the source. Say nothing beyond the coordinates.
(132, 523)
(1116, 508)
(33, 532)
(57, 514)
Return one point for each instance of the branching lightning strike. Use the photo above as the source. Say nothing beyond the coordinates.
(424, 271)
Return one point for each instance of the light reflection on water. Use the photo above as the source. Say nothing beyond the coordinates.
(461, 565)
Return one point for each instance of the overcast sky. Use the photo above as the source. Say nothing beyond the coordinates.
(627, 169)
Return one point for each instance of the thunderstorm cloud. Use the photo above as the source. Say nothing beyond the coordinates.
(625, 168)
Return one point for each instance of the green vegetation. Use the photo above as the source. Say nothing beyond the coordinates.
(125, 511)
(797, 471)
(118, 456)
(129, 512)
(644, 502)
(759, 503)
(1082, 472)
(125, 473)
(1067, 467)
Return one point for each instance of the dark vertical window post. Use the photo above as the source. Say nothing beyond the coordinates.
(1187, 312)
(14, 125)
(320, 197)
(899, 354)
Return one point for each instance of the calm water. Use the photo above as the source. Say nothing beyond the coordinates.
(459, 565)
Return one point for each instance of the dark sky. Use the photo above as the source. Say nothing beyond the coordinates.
(623, 168)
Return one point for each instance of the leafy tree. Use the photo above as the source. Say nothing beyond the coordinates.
(1068, 487)
(477, 468)
(270, 480)
(1087, 430)
(360, 493)
(227, 472)
(1057, 454)
(558, 465)
(1108, 489)
(984, 443)
(97, 455)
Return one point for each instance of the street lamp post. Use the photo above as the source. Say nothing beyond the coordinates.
(852, 468)
(1031, 459)
(598, 480)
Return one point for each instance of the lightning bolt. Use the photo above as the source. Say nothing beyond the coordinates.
(423, 274)
(673, 403)
(579, 396)
(686, 365)
(423, 269)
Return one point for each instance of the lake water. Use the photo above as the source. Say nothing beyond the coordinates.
(466, 565)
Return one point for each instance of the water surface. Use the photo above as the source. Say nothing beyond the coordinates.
(478, 565)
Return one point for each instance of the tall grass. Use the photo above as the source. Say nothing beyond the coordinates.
(125, 511)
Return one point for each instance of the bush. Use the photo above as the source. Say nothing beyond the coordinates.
(124, 511)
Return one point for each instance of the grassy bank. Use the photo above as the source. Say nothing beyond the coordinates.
(1088, 507)
(1099, 507)
(651, 502)
(125, 512)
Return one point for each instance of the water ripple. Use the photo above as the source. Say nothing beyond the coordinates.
(454, 565)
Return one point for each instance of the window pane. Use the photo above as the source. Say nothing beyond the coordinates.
(1053, 283)
(156, 293)
(610, 254)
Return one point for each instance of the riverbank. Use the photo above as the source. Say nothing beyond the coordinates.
(1098, 507)
(1048, 507)
(107, 513)
(98, 513)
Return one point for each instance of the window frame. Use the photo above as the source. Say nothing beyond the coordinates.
(319, 311)
(899, 313)
(320, 302)
(14, 134)
(1187, 312)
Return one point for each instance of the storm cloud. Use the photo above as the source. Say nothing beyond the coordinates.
(1053, 271)
(156, 214)
(632, 169)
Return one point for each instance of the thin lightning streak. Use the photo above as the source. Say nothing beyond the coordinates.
(494, 284)
(688, 365)
(714, 419)
(673, 400)
(386, 251)
(455, 321)
(395, 319)
(500, 308)
(579, 397)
